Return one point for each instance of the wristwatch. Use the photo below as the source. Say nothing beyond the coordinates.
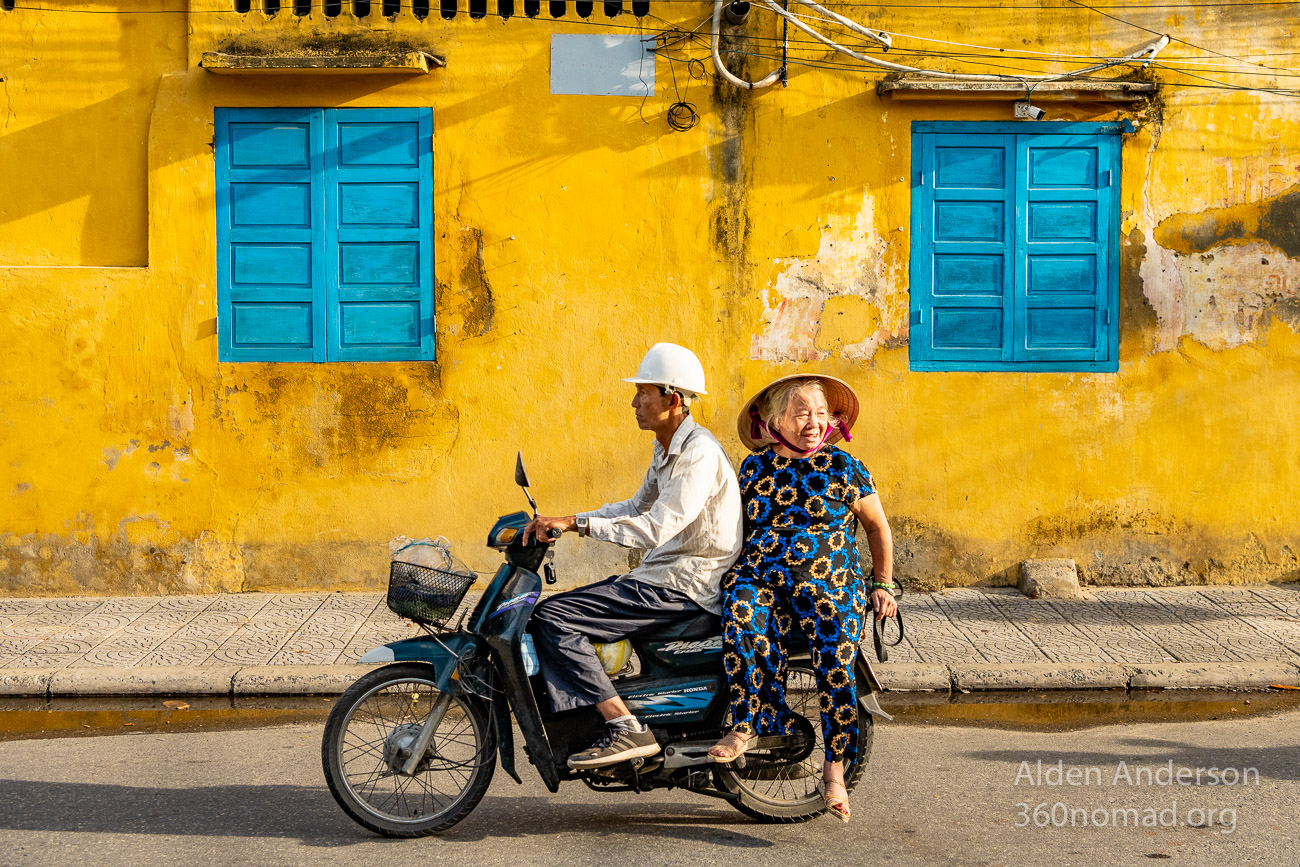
(584, 525)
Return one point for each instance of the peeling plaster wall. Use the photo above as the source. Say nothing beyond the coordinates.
(571, 233)
(837, 301)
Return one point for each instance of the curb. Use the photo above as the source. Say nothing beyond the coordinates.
(912, 677)
(1212, 675)
(253, 680)
(228, 680)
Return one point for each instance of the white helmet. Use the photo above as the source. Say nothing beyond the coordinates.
(672, 366)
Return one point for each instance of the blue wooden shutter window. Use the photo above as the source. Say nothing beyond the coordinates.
(324, 234)
(1014, 261)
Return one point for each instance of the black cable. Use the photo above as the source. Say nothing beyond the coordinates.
(1212, 85)
(1043, 58)
(682, 115)
(640, 69)
(1156, 33)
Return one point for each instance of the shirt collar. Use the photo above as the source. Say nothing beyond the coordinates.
(676, 443)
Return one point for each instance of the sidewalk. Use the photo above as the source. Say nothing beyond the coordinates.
(965, 640)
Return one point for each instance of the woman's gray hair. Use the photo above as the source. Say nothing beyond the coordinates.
(777, 399)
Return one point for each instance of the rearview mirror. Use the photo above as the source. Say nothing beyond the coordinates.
(521, 474)
(521, 479)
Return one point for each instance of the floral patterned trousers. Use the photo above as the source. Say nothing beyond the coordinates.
(757, 621)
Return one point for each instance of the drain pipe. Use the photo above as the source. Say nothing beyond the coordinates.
(736, 13)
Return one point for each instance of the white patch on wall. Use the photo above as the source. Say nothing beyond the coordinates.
(850, 261)
(597, 64)
(1220, 297)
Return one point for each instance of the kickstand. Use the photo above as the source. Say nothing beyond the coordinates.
(636, 774)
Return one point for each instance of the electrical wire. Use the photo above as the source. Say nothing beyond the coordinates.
(1165, 63)
(951, 7)
(1018, 54)
(682, 115)
(1211, 84)
(1256, 68)
(1026, 51)
(1150, 48)
(1149, 30)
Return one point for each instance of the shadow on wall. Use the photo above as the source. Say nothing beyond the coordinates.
(114, 185)
(89, 144)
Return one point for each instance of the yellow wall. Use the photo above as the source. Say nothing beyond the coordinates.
(572, 232)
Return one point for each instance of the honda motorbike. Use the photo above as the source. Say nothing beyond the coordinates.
(410, 748)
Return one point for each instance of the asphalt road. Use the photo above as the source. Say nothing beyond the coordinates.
(936, 795)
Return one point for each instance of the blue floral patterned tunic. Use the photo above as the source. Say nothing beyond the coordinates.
(799, 563)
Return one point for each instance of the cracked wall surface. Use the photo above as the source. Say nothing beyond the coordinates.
(570, 233)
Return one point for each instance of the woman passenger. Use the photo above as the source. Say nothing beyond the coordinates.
(801, 497)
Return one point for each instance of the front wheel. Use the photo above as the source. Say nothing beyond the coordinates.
(789, 792)
(368, 740)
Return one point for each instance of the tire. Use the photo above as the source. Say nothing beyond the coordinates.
(792, 796)
(370, 722)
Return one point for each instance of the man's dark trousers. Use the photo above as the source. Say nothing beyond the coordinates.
(564, 626)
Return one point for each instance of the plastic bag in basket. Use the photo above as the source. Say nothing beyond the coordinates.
(426, 582)
(430, 553)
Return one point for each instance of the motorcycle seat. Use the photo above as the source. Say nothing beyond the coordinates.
(702, 625)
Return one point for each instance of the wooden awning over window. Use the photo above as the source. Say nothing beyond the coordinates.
(402, 62)
(1077, 90)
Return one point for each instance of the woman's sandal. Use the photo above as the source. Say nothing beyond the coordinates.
(732, 746)
(835, 805)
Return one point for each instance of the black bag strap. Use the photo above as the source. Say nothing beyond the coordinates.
(878, 626)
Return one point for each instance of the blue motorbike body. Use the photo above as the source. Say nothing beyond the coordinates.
(680, 690)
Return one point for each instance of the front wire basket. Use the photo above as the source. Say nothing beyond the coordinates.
(426, 595)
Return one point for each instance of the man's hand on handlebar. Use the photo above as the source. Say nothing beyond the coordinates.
(546, 530)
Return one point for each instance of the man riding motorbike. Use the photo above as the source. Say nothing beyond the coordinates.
(687, 512)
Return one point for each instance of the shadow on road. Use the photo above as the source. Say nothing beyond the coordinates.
(309, 815)
(1272, 763)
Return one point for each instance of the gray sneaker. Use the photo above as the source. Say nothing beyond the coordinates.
(616, 745)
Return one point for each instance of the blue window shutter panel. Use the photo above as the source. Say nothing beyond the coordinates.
(270, 278)
(1064, 248)
(378, 234)
(922, 253)
(1014, 261)
(962, 241)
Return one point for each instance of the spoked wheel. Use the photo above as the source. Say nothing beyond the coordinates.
(369, 739)
(784, 791)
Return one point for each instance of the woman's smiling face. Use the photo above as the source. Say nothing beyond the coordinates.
(805, 420)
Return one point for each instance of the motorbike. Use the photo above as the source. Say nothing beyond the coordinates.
(411, 747)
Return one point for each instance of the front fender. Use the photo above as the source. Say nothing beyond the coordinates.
(443, 652)
(868, 685)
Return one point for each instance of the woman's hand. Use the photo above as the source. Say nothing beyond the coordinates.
(883, 604)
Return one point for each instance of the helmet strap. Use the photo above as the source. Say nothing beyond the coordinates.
(759, 429)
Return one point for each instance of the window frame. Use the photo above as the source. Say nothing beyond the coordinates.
(922, 235)
(323, 236)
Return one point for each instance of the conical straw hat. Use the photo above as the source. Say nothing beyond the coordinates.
(840, 398)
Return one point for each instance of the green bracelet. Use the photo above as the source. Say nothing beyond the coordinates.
(876, 585)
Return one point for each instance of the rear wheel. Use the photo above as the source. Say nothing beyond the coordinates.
(370, 735)
(788, 792)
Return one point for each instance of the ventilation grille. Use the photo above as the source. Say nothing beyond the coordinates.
(421, 9)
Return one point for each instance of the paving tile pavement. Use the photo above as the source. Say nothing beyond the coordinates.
(1134, 626)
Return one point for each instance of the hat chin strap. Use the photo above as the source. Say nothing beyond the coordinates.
(759, 429)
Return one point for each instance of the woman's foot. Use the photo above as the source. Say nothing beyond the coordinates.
(836, 798)
(731, 747)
